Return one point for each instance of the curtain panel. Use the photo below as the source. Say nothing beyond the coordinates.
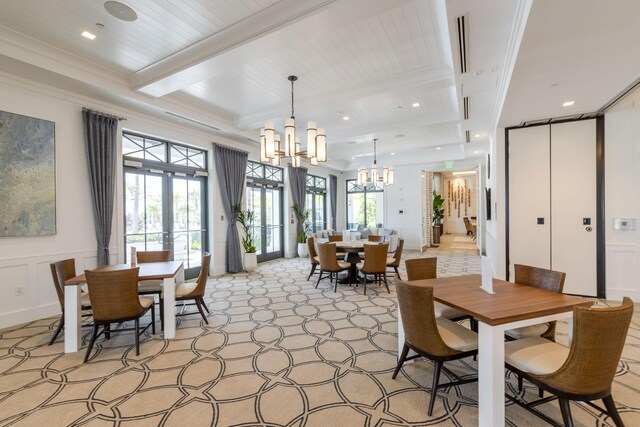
(298, 183)
(333, 194)
(231, 168)
(100, 143)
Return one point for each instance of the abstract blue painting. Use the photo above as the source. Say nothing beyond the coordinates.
(27, 176)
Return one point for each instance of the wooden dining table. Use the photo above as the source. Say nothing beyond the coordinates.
(511, 306)
(170, 272)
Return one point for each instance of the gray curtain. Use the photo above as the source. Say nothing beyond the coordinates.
(231, 168)
(333, 193)
(298, 182)
(100, 144)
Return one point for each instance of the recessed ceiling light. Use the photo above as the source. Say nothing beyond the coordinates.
(568, 103)
(400, 135)
(88, 35)
(120, 11)
(476, 152)
(477, 135)
(353, 158)
(437, 148)
(345, 117)
(393, 154)
(415, 104)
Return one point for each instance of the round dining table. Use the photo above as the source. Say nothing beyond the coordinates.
(352, 251)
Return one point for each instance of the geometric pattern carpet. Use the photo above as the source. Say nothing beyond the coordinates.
(276, 352)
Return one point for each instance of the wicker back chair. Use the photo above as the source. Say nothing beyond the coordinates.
(313, 255)
(114, 299)
(335, 238)
(439, 340)
(62, 271)
(549, 280)
(584, 372)
(195, 291)
(427, 268)
(374, 238)
(329, 263)
(375, 262)
(153, 287)
(467, 226)
(394, 262)
(422, 268)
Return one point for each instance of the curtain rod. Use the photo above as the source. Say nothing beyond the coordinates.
(91, 110)
(215, 144)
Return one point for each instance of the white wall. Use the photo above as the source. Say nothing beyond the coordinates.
(405, 195)
(622, 197)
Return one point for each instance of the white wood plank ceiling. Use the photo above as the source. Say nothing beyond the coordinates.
(369, 60)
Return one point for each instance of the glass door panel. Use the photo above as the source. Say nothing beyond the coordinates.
(187, 233)
(254, 204)
(266, 204)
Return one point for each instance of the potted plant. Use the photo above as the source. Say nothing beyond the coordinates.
(303, 220)
(246, 220)
(438, 215)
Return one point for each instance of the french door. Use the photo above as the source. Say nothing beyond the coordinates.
(266, 204)
(166, 211)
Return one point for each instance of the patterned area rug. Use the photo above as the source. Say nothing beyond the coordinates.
(276, 352)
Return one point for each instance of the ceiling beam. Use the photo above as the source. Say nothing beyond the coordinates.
(284, 25)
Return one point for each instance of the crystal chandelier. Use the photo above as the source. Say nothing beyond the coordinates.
(388, 174)
(273, 148)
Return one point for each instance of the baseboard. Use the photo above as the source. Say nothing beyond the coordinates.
(30, 314)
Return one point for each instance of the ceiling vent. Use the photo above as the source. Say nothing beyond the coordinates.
(465, 106)
(198, 122)
(463, 43)
(467, 136)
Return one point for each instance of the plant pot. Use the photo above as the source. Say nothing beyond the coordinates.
(303, 250)
(437, 232)
(250, 262)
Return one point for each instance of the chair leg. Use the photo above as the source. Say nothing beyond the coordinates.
(107, 332)
(319, 277)
(613, 412)
(335, 288)
(540, 392)
(396, 270)
(434, 388)
(566, 411)
(199, 305)
(403, 356)
(204, 305)
(313, 269)
(365, 283)
(60, 326)
(153, 320)
(137, 328)
(519, 382)
(386, 284)
(91, 342)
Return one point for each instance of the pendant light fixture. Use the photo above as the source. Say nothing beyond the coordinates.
(388, 174)
(273, 149)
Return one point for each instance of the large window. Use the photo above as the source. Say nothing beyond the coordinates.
(264, 199)
(165, 199)
(365, 205)
(316, 202)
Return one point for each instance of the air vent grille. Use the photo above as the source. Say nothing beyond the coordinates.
(465, 106)
(462, 22)
(198, 122)
(467, 136)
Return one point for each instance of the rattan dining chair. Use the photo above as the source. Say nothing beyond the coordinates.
(329, 263)
(583, 372)
(375, 238)
(195, 291)
(335, 239)
(114, 299)
(375, 263)
(394, 262)
(62, 271)
(427, 268)
(539, 278)
(153, 287)
(437, 339)
(313, 256)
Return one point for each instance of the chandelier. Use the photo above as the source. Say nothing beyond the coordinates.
(273, 148)
(388, 176)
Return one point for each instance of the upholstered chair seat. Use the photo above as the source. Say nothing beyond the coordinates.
(531, 331)
(536, 355)
(457, 336)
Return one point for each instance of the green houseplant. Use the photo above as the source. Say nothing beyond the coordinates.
(438, 216)
(302, 217)
(246, 220)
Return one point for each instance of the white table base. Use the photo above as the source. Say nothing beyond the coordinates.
(169, 295)
(491, 380)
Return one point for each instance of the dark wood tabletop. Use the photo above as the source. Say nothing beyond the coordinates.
(511, 302)
(148, 271)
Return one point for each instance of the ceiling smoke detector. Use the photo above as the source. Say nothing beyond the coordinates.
(120, 11)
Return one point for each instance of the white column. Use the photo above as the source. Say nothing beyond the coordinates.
(72, 318)
(490, 376)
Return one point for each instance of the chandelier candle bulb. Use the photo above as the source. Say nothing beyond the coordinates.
(314, 161)
(276, 158)
(312, 132)
(270, 140)
(290, 137)
(263, 147)
(321, 145)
